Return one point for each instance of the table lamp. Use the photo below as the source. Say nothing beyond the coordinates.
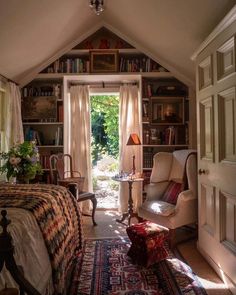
(133, 140)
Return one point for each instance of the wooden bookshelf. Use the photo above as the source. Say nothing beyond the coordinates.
(165, 116)
(155, 81)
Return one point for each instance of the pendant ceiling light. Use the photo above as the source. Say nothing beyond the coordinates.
(96, 6)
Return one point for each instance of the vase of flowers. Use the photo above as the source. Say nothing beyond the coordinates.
(21, 162)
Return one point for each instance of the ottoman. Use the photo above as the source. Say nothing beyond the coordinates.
(147, 245)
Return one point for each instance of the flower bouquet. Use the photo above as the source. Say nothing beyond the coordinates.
(21, 161)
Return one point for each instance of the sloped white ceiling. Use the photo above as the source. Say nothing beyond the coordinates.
(32, 31)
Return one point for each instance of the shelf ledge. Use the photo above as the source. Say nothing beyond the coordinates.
(42, 123)
(50, 146)
(165, 145)
(43, 76)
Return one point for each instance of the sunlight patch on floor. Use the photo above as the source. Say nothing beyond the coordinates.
(110, 213)
(212, 285)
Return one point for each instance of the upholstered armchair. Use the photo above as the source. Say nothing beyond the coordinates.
(171, 196)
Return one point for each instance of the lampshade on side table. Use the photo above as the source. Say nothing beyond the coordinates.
(133, 140)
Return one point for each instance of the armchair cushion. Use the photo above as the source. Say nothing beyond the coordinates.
(159, 207)
(172, 192)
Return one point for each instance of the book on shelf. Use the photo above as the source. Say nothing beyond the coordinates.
(59, 136)
(60, 114)
(37, 138)
(33, 135)
(69, 65)
(147, 89)
(42, 90)
(145, 109)
(138, 64)
(44, 160)
(170, 135)
(147, 159)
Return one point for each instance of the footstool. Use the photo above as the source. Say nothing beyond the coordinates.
(147, 245)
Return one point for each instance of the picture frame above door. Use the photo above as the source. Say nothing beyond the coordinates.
(103, 61)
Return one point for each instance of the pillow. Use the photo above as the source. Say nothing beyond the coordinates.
(172, 192)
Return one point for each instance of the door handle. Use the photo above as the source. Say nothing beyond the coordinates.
(201, 171)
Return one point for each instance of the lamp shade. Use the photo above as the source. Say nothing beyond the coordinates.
(133, 139)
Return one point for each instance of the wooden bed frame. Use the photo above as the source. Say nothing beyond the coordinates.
(7, 258)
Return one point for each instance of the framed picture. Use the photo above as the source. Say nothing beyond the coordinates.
(103, 61)
(39, 109)
(167, 110)
(158, 112)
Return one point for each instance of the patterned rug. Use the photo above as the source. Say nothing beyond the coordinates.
(104, 268)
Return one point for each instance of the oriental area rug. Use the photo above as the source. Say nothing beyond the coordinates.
(104, 268)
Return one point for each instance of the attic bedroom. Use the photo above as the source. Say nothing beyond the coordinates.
(117, 147)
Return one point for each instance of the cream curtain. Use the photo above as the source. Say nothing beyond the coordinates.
(78, 144)
(2, 133)
(11, 121)
(129, 122)
(11, 128)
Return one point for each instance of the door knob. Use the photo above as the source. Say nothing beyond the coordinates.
(201, 171)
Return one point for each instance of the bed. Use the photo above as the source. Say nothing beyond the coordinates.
(46, 231)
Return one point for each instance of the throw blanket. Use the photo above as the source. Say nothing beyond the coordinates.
(57, 214)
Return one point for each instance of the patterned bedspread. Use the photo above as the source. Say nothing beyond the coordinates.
(57, 214)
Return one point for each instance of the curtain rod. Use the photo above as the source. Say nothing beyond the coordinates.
(103, 84)
(7, 79)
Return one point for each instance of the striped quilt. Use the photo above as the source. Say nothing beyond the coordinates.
(57, 214)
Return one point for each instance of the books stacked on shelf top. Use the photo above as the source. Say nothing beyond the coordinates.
(69, 65)
(138, 64)
(42, 90)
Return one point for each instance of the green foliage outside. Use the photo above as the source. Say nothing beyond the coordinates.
(113, 167)
(105, 124)
(95, 182)
(114, 185)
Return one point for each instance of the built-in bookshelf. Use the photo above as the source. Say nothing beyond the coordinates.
(79, 62)
(164, 98)
(42, 114)
(165, 115)
(104, 48)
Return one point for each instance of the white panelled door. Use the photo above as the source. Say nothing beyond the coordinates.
(216, 112)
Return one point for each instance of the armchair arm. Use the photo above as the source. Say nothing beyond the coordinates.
(185, 209)
(155, 190)
(185, 196)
